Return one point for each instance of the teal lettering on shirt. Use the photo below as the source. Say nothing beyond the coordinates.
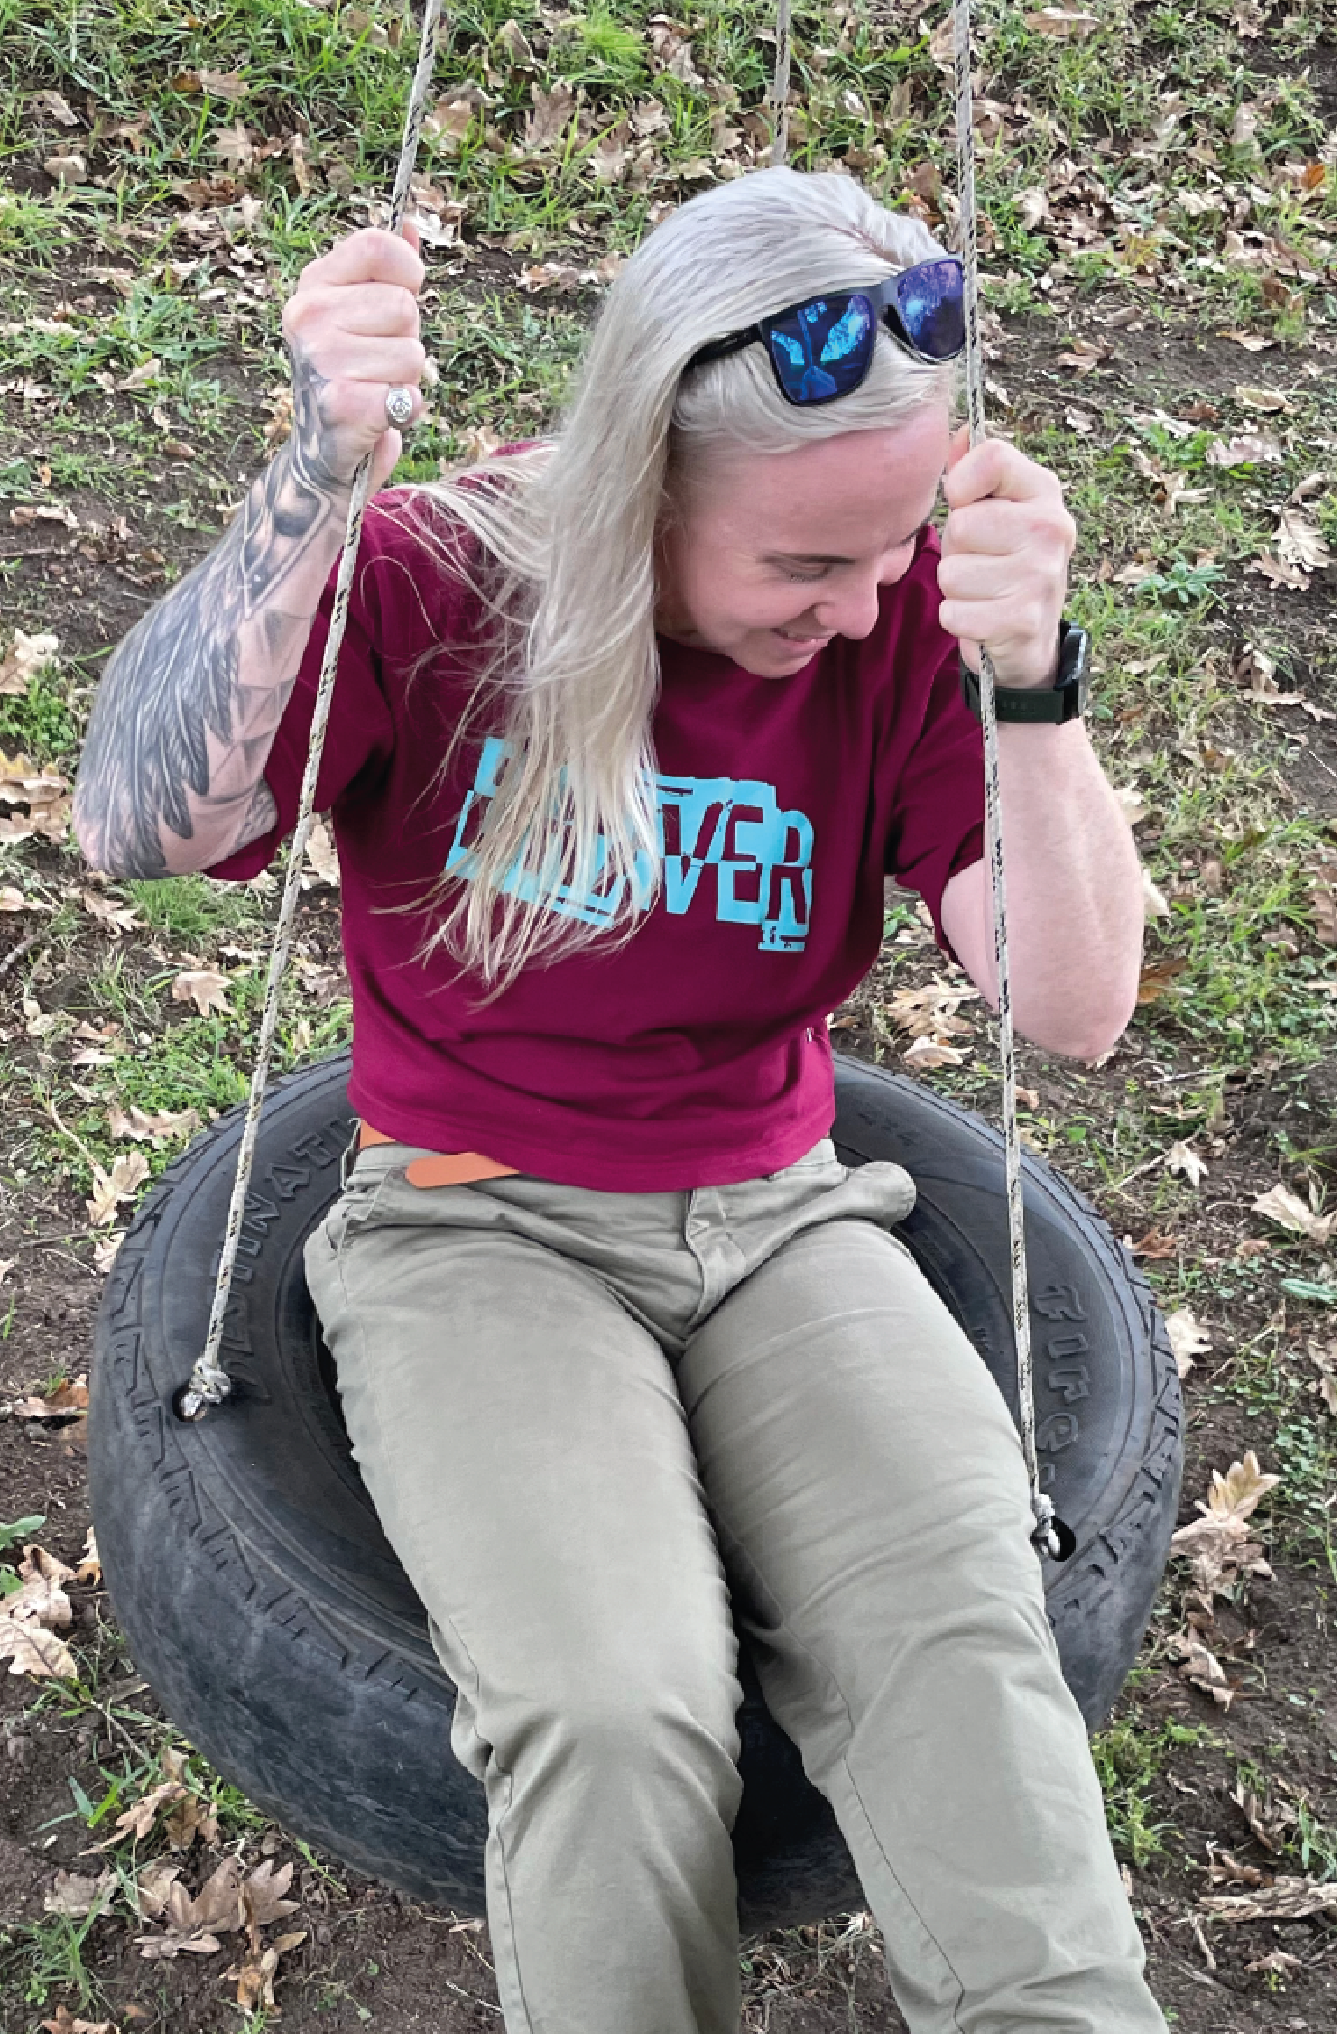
(761, 856)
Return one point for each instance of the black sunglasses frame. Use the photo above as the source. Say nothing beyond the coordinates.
(884, 299)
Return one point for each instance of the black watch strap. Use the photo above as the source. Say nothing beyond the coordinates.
(1066, 700)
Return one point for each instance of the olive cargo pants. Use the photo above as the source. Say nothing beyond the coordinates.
(575, 1412)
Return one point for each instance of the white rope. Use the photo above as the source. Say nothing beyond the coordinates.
(780, 84)
(209, 1383)
(1042, 1505)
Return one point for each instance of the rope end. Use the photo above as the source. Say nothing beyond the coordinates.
(1051, 1535)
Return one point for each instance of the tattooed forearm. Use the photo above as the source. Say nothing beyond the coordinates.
(171, 777)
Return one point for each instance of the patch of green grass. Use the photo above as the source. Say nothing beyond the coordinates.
(193, 911)
(40, 723)
(1128, 1759)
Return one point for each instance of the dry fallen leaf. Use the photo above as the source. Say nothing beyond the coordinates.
(26, 656)
(1252, 448)
(1157, 978)
(41, 796)
(136, 1123)
(63, 2024)
(234, 148)
(1217, 1545)
(66, 1399)
(1188, 1339)
(1061, 21)
(202, 987)
(1268, 401)
(931, 1011)
(1201, 1666)
(263, 1894)
(1270, 1820)
(76, 1895)
(255, 1977)
(122, 1183)
(548, 117)
(1286, 1899)
(152, 1886)
(1288, 1211)
(32, 1614)
(322, 854)
(66, 169)
(1153, 903)
(89, 1567)
(138, 1820)
(1301, 542)
(926, 1053)
(1181, 1158)
(120, 917)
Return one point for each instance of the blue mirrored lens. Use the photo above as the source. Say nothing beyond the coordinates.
(931, 307)
(821, 349)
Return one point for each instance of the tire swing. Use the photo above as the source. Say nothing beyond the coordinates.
(247, 1566)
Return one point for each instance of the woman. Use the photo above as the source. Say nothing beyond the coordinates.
(627, 729)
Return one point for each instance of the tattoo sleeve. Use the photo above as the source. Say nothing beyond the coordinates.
(171, 777)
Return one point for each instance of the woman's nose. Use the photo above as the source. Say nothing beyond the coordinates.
(850, 610)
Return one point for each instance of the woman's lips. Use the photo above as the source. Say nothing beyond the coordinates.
(803, 642)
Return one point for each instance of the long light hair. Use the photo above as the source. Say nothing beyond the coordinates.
(564, 541)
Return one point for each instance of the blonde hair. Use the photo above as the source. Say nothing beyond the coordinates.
(565, 536)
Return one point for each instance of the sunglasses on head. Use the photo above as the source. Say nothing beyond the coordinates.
(823, 347)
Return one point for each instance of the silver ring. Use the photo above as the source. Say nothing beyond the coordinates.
(399, 407)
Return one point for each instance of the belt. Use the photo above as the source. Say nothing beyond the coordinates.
(440, 1168)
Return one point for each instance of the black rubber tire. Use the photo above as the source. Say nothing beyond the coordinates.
(267, 1610)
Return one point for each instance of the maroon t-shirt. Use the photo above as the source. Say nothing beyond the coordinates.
(696, 1053)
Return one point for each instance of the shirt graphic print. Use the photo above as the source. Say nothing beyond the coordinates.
(760, 856)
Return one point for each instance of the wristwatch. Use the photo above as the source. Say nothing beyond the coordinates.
(1065, 701)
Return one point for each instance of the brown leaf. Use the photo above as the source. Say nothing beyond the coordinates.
(1271, 1821)
(1181, 1158)
(1155, 1245)
(56, 108)
(1290, 576)
(191, 1817)
(263, 1894)
(1301, 542)
(194, 1926)
(1269, 401)
(1157, 977)
(202, 987)
(63, 2024)
(223, 84)
(1251, 448)
(164, 1124)
(76, 1895)
(234, 148)
(119, 917)
(1286, 1899)
(26, 656)
(66, 169)
(255, 1976)
(122, 1183)
(138, 1820)
(548, 117)
(1201, 1667)
(66, 1398)
(1062, 21)
(1288, 1211)
(1188, 1339)
(152, 1886)
(89, 1567)
(42, 797)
